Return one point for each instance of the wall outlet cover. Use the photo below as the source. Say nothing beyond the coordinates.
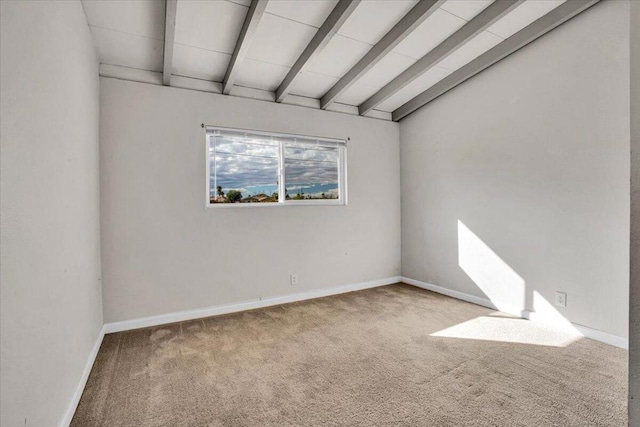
(561, 299)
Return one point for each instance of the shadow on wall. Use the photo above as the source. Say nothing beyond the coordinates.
(506, 290)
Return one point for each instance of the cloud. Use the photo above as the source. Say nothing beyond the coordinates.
(301, 172)
(329, 155)
(239, 165)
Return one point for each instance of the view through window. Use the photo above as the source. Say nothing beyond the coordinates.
(257, 167)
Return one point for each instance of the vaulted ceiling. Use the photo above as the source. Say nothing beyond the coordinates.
(379, 58)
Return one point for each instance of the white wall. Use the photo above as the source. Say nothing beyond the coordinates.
(163, 251)
(50, 277)
(532, 157)
(634, 299)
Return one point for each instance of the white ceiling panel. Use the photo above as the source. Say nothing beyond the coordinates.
(470, 50)
(280, 41)
(141, 18)
(373, 19)
(241, 2)
(117, 48)
(388, 68)
(433, 31)
(357, 94)
(311, 13)
(211, 25)
(312, 85)
(261, 75)
(130, 33)
(199, 63)
(340, 54)
(422, 83)
(466, 9)
(522, 16)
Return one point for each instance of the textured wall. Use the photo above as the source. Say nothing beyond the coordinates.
(163, 251)
(50, 291)
(515, 184)
(634, 300)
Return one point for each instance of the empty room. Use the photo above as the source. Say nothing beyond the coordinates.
(319, 213)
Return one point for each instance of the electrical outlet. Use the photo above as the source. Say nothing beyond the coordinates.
(294, 279)
(561, 299)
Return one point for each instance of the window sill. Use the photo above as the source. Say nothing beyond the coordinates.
(273, 205)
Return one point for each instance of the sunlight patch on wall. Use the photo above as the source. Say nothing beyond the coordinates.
(499, 282)
(511, 330)
(545, 312)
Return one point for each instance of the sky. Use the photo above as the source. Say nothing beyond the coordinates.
(253, 167)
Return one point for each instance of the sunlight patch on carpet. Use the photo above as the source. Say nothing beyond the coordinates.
(512, 330)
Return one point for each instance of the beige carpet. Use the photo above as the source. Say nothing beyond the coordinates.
(389, 356)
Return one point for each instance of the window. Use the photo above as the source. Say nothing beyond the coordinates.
(249, 167)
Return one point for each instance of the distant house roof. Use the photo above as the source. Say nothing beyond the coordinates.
(259, 198)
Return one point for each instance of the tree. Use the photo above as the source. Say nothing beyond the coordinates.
(219, 190)
(233, 196)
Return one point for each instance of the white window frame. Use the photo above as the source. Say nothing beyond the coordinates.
(342, 172)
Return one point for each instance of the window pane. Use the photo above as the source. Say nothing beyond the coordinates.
(243, 170)
(311, 172)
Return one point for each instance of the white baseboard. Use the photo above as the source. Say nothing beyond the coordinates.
(450, 293)
(181, 316)
(75, 399)
(585, 331)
